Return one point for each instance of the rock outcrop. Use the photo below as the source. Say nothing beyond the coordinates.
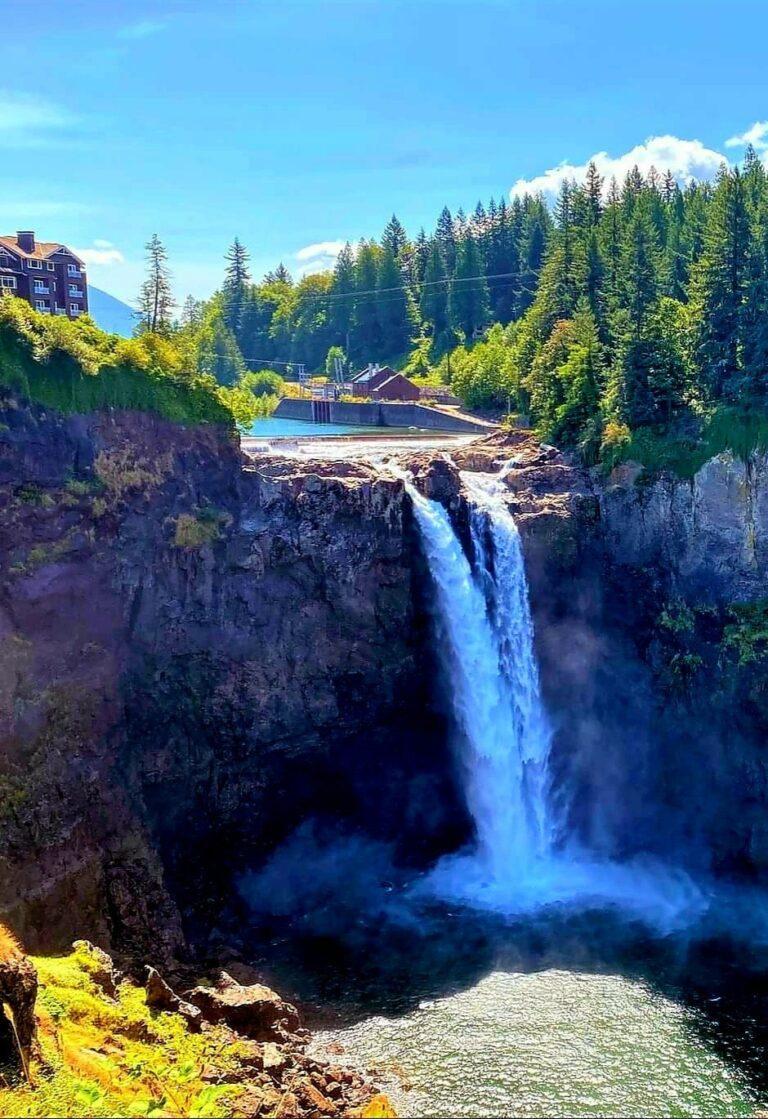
(254, 1011)
(18, 993)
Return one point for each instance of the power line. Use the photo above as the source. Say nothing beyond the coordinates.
(333, 296)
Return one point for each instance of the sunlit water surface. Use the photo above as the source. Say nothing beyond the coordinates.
(550, 1043)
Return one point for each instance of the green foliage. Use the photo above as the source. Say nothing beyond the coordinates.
(747, 634)
(265, 382)
(195, 531)
(74, 367)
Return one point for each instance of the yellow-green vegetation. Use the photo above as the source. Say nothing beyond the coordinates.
(73, 366)
(122, 471)
(194, 530)
(116, 1057)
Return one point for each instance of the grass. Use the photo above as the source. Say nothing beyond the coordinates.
(104, 1057)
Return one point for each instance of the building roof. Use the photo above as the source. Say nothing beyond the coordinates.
(369, 373)
(395, 377)
(43, 249)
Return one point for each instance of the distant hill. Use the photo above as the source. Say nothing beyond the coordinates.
(109, 313)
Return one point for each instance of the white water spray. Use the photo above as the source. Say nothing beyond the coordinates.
(486, 639)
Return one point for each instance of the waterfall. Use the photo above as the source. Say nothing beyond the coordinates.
(485, 637)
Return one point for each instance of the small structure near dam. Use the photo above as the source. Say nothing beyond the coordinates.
(380, 414)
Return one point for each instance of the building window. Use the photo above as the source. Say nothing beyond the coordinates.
(74, 308)
(7, 281)
(35, 264)
(74, 290)
(73, 270)
(40, 286)
(41, 305)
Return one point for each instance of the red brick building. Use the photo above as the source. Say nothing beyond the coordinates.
(45, 273)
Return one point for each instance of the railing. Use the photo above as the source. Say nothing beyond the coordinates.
(75, 291)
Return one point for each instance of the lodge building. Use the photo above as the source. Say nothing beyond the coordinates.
(46, 274)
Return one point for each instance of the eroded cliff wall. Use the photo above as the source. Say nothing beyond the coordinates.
(197, 655)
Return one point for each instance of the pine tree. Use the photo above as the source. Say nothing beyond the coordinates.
(394, 237)
(366, 328)
(446, 239)
(536, 232)
(469, 306)
(720, 289)
(342, 303)
(396, 313)
(279, 275)
(156, 300)
(236, 281)
(433, 302)
(593, 190)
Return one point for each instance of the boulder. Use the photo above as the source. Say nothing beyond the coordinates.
(161, 997)
(99, 966)
(254, 1011)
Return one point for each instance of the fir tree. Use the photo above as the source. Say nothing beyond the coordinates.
(394, 237)
(720, 288)
(342, 306)
(235, 289)
(469, 306)
(433, 301)
(396, 313)
(156, 300)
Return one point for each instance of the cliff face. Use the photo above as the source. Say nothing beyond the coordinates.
(687, 578)
(200, 653)
(196, 655)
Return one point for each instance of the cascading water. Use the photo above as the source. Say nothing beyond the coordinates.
(485, 634)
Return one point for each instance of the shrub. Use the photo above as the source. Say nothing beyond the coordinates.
(73, 366)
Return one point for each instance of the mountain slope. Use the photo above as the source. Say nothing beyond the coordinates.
(110, 313)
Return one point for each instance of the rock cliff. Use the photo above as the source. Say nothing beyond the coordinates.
(199, 652)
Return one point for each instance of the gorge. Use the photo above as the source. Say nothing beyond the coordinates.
(298, 714)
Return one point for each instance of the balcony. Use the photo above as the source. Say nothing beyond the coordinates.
(75, 292)
(41, 289)
(73, 270)
(61, 310)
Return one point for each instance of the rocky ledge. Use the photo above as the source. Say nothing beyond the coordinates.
(100, 1043)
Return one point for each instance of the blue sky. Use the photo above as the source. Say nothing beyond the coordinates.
(302, 123)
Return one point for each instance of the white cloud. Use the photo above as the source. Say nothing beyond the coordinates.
(103, 253)
(141, 30)
(757, 136)
(318, 257)
(21, 113)
(686, 159)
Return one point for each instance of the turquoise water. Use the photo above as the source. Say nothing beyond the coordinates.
(273, 428)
